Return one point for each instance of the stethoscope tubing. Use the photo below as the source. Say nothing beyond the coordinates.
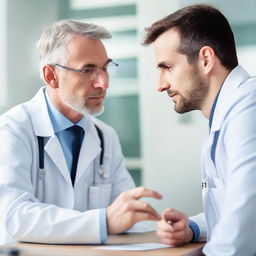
(102, 146)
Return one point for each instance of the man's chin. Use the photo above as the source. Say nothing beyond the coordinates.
(96, 111)
(183, 110)
(85, 111)
(99, 111)
(179, 110)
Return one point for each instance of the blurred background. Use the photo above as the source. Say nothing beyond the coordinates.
(161, 147)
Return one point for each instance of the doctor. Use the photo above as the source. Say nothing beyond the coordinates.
(198, 69)
(49, 192)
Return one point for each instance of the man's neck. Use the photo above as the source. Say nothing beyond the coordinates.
(215, 84)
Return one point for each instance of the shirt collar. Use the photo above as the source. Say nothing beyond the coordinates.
(59, 121)
(224, 101)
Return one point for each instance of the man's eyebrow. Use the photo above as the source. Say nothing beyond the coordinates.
(163, 64)
(89, 65)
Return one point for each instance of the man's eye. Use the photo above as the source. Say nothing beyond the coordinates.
(168, 68)
(88, 70)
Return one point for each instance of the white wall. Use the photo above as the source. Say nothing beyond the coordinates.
(3, 59)
(247, 58)
(25, 21)
(171, 143)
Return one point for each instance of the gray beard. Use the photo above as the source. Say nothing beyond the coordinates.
(84, 110)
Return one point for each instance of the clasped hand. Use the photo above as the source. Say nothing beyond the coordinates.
(174, 228)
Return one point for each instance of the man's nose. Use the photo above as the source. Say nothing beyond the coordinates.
(101, 80)
(163, 83)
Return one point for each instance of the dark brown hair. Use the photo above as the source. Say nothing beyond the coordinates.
(198, 25)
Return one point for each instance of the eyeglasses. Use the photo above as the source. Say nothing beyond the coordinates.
(92, 71)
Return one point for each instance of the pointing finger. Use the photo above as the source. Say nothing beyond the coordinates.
(142, 206)
(139, 192)
(142, 216)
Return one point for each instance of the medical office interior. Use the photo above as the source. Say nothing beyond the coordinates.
(161, 147)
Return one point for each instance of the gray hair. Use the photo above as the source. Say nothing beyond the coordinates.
(54, 39)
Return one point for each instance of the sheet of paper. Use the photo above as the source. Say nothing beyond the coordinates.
(133, 247)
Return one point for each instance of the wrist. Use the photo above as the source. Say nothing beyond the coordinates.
(190, 235)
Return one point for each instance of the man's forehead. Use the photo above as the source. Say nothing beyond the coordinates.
(78, 42)
(167, 43)
(86, 49)
(168, 39)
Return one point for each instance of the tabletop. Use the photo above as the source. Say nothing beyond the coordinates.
(33, 249)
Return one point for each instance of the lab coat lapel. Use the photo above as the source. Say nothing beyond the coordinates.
(90, 149)
(232, 82)
(55, 152)
(43, 127)
(236, 77)
(224, 102)
(37, 108)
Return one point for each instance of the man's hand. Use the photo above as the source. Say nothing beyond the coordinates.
(127, 210)
(174, 228)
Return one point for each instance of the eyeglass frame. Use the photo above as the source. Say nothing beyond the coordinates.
(83, 70)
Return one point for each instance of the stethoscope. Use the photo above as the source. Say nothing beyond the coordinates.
(102, 174)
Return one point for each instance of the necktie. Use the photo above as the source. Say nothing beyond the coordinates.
(76, 137)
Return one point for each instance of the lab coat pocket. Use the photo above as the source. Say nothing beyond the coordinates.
(217, 193)
(99, 196)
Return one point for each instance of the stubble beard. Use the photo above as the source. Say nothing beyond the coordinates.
(195, 96)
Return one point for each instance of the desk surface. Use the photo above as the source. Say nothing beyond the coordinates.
(30, 249)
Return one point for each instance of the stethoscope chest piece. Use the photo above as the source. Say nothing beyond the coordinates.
(41, 173)
(103, 175)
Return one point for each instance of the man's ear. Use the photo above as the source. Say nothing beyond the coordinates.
(207, 58)
(50, 76)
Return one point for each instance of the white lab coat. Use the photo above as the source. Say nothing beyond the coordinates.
(229, 170)
(48, 209)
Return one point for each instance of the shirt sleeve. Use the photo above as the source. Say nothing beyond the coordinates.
(198, 225)
(103, 225)
(195, 229)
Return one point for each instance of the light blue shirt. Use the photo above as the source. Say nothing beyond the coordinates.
(59, 124)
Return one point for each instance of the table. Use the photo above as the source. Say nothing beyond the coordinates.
(32, 249)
